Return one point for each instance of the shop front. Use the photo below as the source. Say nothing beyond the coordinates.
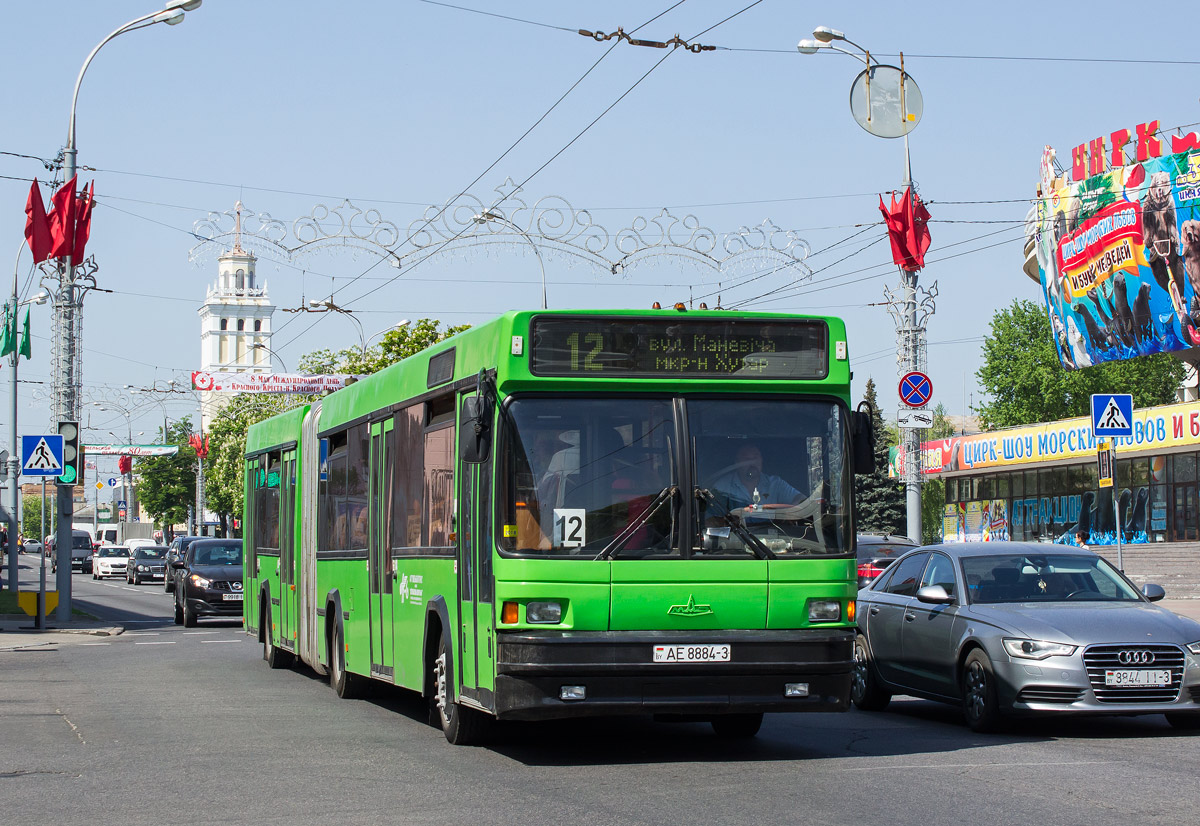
(1040, 483)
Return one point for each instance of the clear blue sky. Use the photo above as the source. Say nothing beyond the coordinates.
(397, 105)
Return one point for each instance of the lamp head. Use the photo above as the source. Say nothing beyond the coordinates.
(312, 302)
(172, 17)
(185, 5)
(41, 298)
(810, 46)
(401, 323)
(828, 35)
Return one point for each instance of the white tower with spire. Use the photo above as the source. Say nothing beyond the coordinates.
(236, 314)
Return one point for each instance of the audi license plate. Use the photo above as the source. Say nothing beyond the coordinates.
(1133, 677)
(692, 653)
(231, 597)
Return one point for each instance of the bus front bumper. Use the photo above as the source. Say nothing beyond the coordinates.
(765, 673)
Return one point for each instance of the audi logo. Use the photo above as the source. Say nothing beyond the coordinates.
(1135, 657)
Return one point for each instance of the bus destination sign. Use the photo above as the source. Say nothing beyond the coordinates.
(694, 348)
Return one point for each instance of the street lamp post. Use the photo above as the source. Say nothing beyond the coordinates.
(910, 332)
(67, 306)
(492, 215)
(14, 459)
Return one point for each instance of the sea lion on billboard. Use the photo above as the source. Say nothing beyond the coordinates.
(1078, 354)
(1098, 337)
(1123, 322)
(1143, 322)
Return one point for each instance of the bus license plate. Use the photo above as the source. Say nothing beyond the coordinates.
(232, 597)
(1138, 678)
(692, 653)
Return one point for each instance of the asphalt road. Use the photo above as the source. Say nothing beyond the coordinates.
(170, 725)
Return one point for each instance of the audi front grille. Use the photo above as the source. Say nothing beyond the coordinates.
(1130, 657)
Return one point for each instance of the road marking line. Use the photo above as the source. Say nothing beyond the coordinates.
(201, 632)
(142, 634)
(172, 642)
(205, 642)
(95, 643)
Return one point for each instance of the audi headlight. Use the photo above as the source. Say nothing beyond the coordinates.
(199, 581)
(1194, 647)
(1037, 649)
(549, 612)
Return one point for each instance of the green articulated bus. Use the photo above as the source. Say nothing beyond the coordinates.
(569, 513)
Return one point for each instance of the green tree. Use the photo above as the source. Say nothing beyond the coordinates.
(881, 506)
(223, 469)
(396, 345)
(31, 512)
(1026, 384)
(933, 491)
(167, 484)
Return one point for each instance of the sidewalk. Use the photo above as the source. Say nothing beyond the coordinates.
(1189, 608)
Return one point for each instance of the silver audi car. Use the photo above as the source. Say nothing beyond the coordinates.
(1016, 628)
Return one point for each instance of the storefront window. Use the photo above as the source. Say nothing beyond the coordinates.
(1018, 484)
(1003, 488)
(1183, 467)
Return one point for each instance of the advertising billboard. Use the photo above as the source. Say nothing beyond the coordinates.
(1118, 249)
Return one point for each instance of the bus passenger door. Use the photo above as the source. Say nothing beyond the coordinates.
(379, 552)
(476, 588)
(287, 552)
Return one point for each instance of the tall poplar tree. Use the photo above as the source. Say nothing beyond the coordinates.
(881, 502)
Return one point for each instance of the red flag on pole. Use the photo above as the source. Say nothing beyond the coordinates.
(908, 230)
(37, 226)
(124, 464)
(62, 220)
(83, 222)
(199, 444)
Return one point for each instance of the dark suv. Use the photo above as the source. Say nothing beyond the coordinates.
(175, 552)
(81, 552)
(209, 581)
(876, 552)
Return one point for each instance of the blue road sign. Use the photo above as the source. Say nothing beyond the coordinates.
(1112, 414)
(112, 481)
(42, 455)
(916, 389)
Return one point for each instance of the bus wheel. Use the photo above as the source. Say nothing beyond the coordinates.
(344, 683)
(461, 725)
(737, 726)
(275, 656)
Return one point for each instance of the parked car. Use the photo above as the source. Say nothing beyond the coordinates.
(1019, 628)
(81, 552)
(175, 552)
(149, 562)
(209, 581)
(110, 560)
(32, 546)
(876, 552)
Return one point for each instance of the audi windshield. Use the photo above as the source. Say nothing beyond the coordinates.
(1045, 578)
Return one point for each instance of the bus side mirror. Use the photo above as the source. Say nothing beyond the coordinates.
(475, 430)
(863, 434)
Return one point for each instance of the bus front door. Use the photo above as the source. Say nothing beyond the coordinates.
(287, 552)
(475, 581)
(379, 552)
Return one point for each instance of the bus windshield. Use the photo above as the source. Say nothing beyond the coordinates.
(595, 478)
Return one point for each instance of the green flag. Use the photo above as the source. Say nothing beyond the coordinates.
(26, 345)
(8, 336)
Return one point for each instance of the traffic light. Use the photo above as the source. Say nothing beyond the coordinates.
(71, 453)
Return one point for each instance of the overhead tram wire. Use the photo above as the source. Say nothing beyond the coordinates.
(530, 176)
(563, 149)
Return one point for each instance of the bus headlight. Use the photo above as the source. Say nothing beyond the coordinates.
(824, 610)
(546, 612)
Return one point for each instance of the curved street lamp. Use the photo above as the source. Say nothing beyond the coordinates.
(258, 345)
(66, 385)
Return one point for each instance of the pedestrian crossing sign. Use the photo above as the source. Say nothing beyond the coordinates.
(1112, 414)
(42, 455)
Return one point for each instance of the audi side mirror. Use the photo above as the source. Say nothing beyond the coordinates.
(934, 595)
(1153, 592)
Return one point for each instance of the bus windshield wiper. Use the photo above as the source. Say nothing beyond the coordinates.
(736, 525)
(667, 493)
